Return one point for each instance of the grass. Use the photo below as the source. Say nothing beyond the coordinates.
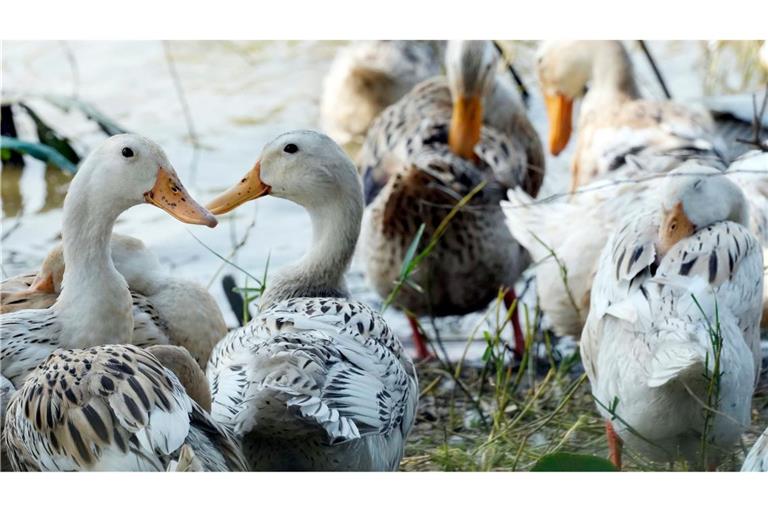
(505, 415)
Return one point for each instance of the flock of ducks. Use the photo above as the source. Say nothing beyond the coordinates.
(654, 260)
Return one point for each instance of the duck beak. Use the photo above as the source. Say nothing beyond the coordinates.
(466, 124)
(674, 227)
(170, 195)
(250, 187)
(43, 283)
(559, 110)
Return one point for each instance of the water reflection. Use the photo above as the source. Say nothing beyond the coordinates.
(10, 190)
(55, 181)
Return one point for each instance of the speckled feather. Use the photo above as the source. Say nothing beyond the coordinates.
(315, 383)
(109, 408)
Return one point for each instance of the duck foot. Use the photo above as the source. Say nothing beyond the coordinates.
(510, 300)
(422, 352)
(614, 444)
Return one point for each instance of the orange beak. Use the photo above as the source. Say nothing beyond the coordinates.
(43, 283)
(170, 195)
(466, 124)
(559, 111)
(674, 227)
(250, 187)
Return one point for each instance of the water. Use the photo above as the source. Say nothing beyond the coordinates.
(240, 95)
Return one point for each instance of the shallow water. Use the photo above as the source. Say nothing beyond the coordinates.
(240, 95)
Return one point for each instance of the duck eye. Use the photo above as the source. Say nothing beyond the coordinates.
(291, 148)
(127, 152)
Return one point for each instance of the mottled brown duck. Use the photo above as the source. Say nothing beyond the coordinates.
(421, 156)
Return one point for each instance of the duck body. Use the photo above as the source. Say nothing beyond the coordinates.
(648, 347)
(368, 76)
(166, 310)
(315, 384)
(316, 381)
(110, 408)
(565, 253)
(412, 176)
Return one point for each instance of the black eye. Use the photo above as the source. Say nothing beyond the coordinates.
(127, 152)
(291, 148)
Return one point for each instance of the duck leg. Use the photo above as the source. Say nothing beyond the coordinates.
(614, 444)
(422, 352)
(510, 300)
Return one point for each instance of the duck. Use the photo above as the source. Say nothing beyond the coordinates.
(187, 313)
(614, 119)
(446, 137)
(316, 380)
(95, 306)
(677, 299)
(365, 77)
(116, 408)
(757, 458)
(565, 253)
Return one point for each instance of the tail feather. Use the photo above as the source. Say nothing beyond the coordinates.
(532, 224)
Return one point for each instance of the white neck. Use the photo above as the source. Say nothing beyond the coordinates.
(320, 273)
(94, 304)
(612, 73)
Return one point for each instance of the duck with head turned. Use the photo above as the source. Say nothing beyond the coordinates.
(665, 278)
(614, 120)
(422, 154)
(95, 306)
(316, 381)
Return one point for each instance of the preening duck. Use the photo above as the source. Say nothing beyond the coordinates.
(116, 408)
(95, 306)
(368, 76)
(186, 313)
(676, 302)
(421, 155)
(316, 381)
(614, 120)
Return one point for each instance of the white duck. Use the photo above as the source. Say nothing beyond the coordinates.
(95, 306)
(565, 253)
(116, 408)
(368, 76)
(316, 381)
(614, 120)
(187, 314)
(647, 344)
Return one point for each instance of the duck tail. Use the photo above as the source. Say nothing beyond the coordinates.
(525, 220)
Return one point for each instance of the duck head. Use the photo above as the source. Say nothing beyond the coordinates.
(471, 69)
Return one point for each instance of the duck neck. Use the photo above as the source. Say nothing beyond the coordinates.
(320, 273)
(94, 302)
(612, 74)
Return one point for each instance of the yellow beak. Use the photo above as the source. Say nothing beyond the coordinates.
(466, 125)
(250, 187)
(674, 227)
(170, 195)
(559, 111)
